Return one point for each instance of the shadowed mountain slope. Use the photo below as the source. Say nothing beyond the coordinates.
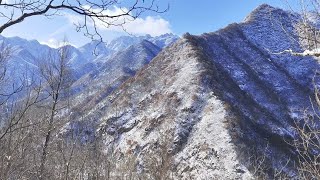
(214, 94)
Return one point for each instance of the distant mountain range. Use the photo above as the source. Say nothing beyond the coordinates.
(92, 52)
(89, 59)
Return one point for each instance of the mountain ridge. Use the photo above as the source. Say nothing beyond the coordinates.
(262, 94)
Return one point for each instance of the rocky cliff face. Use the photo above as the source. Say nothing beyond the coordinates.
(215, 96)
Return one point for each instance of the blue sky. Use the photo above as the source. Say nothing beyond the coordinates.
(195, 17)
(209, 15)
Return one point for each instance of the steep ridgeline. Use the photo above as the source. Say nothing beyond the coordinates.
(24, 54)
(123, 42)
(99, 83)
(211, 95)
(172, 99)
(95, 54)
(21, 67)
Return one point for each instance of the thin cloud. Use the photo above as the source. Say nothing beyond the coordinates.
(55, 43)
(153, 25)
(61, 30)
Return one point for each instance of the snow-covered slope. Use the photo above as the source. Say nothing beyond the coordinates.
(97, 84)
(24, 57)
(216, 95)
(172, 96)
(126, 41)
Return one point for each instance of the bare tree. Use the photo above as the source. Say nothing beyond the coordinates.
(307, 31)
(306, 145)
(56, 76)
(15, 123)
(5, 54)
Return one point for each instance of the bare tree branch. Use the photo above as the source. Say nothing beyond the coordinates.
(93, 12)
